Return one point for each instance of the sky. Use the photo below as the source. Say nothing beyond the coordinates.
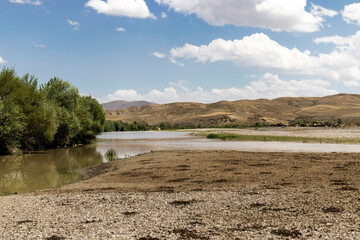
(186, 50)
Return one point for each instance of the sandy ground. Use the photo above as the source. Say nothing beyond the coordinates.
(197, 195)
(320, 132)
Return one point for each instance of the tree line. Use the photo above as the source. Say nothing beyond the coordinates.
(53, 114)
(119, 126)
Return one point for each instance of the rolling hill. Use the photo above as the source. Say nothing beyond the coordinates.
(246, 112)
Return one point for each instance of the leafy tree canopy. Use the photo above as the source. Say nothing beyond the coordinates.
(52, 115)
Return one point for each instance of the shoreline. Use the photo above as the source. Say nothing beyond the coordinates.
(197, 194)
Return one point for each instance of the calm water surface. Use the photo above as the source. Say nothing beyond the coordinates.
(48, 169)
(54, 168)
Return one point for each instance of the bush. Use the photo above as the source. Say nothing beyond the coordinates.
(212, 136)
(111, 155)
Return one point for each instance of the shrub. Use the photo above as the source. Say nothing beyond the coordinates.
(111, 155)
(212, 136)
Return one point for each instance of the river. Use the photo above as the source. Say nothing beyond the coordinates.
(57, 167)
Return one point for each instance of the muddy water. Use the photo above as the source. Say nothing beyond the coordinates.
(131, 143)
(54, 168)
(48, 169)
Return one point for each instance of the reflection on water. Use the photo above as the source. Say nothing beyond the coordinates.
(49, 169)
(129, 144)
(53, 168)
(142, 143)
(144, 135)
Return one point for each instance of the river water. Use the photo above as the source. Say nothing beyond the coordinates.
(54, 168)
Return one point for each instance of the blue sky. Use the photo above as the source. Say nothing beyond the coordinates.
(186, 50)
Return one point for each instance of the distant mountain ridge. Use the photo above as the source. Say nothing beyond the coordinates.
(121, 104)
(246, 112)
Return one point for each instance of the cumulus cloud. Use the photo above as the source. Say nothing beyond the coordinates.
(159, 55)
(277, 15)
(121, 29)
(351, 13)
(317, 10)
(32, 2)
(349, 45)
(75, 24)
(2, 61)
(268, 86)
(258, 50)
(123, 8)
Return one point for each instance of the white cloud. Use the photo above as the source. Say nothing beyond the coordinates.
(35, 2)
(2, 61)
(317, 10)
(37, 45)
(176, 62)
(349, 45)
(337, 40)
(277, 15)
(121, 8)
(164, 15)
(75, 24)
(121, 29)
(258, 50)
(351, 13)
(268, 86)
(159, 55)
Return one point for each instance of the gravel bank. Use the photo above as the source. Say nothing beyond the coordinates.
(247, 214)
(197, 195)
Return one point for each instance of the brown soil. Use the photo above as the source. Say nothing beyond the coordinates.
(223, 170)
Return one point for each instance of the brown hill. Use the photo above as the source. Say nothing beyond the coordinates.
(248, 112)
(120, 104)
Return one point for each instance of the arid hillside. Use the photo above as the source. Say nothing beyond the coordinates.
(246, 112)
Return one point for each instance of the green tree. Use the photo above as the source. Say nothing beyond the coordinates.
(109, 126)
(38, 116)
(65, 99)
(91, 117)
(12, 126)
(80, 118)
(97, 114)
(50, 116)
(62, 93)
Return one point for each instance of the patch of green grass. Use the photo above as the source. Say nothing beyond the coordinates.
(239, 137)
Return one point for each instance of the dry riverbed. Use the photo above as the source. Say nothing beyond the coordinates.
(197, 195)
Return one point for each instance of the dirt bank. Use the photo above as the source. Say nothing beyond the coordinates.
(197, 195)
(221, 170)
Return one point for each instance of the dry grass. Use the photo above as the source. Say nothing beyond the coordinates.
(247, 112)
